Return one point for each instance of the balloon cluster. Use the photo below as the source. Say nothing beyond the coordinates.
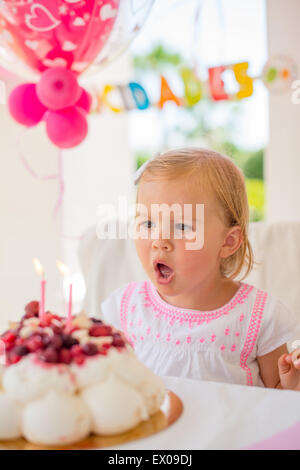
(56, 99)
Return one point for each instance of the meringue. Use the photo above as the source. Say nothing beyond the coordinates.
(115, 406)
(10, 418)
(56, 419)
(28, 380)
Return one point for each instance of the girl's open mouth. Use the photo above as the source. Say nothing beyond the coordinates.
(164, 274)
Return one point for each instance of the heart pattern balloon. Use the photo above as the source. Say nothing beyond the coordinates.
(57, 33)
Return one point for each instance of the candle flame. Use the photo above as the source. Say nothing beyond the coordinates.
(39, 268)
(64, 270)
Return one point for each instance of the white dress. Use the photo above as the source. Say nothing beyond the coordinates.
(218, 345)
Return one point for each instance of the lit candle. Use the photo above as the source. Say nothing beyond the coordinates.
(65, 271)
(40, 270)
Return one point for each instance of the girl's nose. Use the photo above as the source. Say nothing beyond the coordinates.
(165, 245)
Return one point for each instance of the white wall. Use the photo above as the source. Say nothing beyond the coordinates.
(282, 162)
(27, 229)
(97, 171)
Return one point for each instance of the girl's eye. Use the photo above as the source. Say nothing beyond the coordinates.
(147, 224)
(183, 227)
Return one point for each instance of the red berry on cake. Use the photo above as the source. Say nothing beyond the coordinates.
(100, 330)
(32, 309)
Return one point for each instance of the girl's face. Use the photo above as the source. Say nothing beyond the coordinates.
(174, 269)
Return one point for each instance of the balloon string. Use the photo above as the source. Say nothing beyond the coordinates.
(61, 184)
(59, 203)
(58, 176)
(28, 167)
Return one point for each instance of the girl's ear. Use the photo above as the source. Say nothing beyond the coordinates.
(232, 242)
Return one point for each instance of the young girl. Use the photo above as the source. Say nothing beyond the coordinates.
(192, 318)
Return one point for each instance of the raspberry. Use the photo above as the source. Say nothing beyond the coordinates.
(76, 350)
(49, 355)
(9, 337)
(90, 349)
(21, 350)
(96, 320)
(55, 317)
(79, 359)
(9, 346)
(57, 329)
(69, 341)
(102, 352)
(32, 309)
(55, 341)
(118, 341)
(19, 341)
(65, 356)
(100, 330)
(12, 358)
(47, 318)
(34, 343)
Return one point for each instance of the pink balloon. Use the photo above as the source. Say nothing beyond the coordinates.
(85, 101)
(66, 128)
(58, 33)
(25, 106)
(58, 88)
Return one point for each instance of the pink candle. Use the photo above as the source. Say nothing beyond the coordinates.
(69, 319)
(42, 302)
(40, 270)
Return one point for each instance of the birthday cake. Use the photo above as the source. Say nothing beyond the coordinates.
(61, 383)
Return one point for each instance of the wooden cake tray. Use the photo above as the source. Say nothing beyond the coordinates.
(169, 412)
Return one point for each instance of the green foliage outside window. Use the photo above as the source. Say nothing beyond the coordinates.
(198, 129)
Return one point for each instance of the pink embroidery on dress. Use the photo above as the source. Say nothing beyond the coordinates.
(213, 337)
(131, 323)
(148, 331)
(188, 339)
(124, 307)
(181, 314)
(133, 308)
(237, 334)
(202, 340)
(142, 338)
(253, 330)
(222, 347)
(242, 317)
(168, 337)
(233, 347)
(177, 341)
(227, 331)
(158, 335)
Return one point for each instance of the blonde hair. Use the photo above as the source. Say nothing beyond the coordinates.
(219, 175)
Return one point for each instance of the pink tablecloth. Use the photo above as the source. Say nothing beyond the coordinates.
(288, 439)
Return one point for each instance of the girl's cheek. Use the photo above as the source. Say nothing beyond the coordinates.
(142, 248)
